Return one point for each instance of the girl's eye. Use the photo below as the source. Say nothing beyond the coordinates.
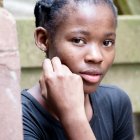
(78, 41)
(108, 43)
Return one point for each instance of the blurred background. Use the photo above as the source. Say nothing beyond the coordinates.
(20, 8)
(24, 8)
(125, 71)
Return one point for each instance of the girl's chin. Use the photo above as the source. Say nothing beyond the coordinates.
(88, 90)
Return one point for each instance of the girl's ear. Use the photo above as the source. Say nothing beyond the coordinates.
(41, 38)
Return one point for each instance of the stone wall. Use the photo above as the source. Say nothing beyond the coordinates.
(10, 103)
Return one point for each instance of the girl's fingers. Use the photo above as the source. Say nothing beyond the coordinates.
(47, 67)
(58, 67)
(66, 69)
(43, 87)
(56, 64)
(54, 67)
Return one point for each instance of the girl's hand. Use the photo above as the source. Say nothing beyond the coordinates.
(62, 90)
(64, 95)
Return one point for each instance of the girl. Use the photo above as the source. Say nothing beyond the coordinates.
(78, 37)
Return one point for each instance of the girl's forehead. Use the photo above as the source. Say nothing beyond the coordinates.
(89, 19)
(86, 11)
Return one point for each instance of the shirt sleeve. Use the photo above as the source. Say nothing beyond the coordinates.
(124, 125)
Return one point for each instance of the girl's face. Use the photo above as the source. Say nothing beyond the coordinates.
(85, 42)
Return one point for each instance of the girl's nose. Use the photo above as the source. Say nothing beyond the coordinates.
(94, 54)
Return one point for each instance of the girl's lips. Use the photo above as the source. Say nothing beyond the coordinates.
(95, 78)
(91, 76)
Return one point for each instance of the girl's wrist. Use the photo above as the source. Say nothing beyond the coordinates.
(73, 116)
(76, 126)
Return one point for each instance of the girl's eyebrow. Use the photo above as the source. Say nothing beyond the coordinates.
(84, 32)
(80, 32)
(110, 34)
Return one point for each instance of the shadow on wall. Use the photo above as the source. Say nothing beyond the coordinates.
(137, 125)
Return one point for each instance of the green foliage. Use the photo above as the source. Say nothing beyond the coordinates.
(128, 7)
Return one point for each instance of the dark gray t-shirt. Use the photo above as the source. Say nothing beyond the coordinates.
(112, 119)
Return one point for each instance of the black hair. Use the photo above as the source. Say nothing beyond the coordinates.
(49, 13)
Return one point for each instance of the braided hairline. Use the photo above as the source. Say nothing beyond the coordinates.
(47, 12)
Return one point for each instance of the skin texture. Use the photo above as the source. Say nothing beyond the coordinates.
(82, 51)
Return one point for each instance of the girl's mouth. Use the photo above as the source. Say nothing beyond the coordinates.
(91, 76)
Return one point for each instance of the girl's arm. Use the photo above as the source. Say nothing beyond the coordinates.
(64, 95)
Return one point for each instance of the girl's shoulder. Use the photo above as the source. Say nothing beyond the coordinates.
(111, 91)
(111, 95)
